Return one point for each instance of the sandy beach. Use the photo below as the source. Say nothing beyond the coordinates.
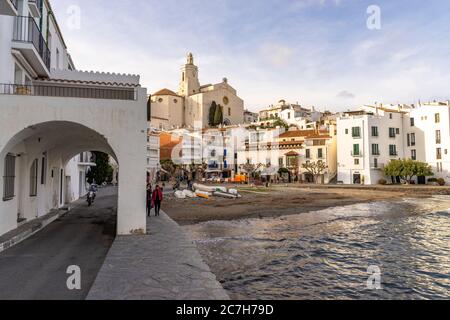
(281, 200)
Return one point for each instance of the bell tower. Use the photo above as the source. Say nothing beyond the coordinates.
(189, 83)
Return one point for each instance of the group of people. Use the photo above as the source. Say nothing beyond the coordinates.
(154, 199)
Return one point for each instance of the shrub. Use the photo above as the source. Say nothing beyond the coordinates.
(383, 182)
(441, 182)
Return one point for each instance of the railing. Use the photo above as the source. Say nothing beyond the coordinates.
(38, 3)
(393, 154)
(377, 166)
(356, 154)
(69, 92)
(26, 30)
(15, 3)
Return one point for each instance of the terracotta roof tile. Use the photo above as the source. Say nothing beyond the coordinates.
(302, 133)
(165, 92)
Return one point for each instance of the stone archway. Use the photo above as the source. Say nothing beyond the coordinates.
(52, 144)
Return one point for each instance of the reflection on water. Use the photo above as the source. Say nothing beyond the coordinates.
(326, 254)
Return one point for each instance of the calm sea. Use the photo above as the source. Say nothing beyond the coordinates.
(331, 254)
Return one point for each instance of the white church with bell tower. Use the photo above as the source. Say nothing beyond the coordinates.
(189, 83)
(190, 106)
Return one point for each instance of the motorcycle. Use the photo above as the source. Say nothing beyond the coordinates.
(90, 198)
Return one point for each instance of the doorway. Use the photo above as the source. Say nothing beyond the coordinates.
(357, 178)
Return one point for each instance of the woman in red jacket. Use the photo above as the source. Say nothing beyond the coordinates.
(157, 199)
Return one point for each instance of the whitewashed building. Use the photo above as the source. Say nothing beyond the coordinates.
(76, 172)
(250, 117)
(292, 114)
(51, 113)
(371, 137)
(428, 136)
(153, 154)
(273, 149)
(367, 140)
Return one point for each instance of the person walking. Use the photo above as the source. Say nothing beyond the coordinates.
(149, 199)
(157, 199)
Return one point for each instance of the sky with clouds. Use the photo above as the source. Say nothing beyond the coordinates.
(317, 52)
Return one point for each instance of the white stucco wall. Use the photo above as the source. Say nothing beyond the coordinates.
(121, 129)
(383, 120)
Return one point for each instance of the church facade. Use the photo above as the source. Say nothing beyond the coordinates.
(194, 105)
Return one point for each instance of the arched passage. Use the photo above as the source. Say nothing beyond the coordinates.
(33, 163)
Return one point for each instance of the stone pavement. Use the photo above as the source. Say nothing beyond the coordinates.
(163, 265)
(30, 228)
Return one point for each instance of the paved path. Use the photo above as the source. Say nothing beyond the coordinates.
(36, 268)
(164, 265)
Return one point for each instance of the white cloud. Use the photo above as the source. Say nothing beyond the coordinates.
(284, 54)
(301, 4)
(346, 95)
(277, 54)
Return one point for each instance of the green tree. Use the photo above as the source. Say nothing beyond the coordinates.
(282, 172)
(315, 168)
(407, 169)
(280, 123)
(103, 171)
(276, 123)
(198, 169)
(251, 169)
(215, 116)
(212, 114)
(169, 167)
(220, 115)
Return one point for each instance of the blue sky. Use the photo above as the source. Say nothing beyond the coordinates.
(316, 52)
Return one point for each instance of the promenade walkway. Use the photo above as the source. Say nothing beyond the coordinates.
(163, 265)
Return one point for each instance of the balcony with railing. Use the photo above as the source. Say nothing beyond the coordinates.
(66, 91)
(377, 166)
(356, 154)
(393, 154)
(29, 41)
(35, 7)
(8, 7)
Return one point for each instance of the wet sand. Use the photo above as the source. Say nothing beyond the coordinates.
(280, 200)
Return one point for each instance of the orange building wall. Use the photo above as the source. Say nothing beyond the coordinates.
(167, 143)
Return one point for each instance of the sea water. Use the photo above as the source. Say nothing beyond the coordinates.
(332, 253)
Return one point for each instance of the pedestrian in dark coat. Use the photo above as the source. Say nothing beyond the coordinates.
(149, 199)
(157, 199)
